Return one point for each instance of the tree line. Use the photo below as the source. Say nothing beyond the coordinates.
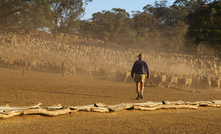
(55, 16)
(185, 26)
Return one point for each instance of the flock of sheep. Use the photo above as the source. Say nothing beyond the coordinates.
(39, 52)
(184, 70)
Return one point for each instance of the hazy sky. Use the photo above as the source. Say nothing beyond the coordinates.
(128, 5)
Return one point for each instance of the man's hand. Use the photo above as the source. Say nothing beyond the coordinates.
(147, 77)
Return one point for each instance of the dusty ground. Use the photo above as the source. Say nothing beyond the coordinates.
(50, 89)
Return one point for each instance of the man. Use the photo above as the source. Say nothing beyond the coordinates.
(141, 70)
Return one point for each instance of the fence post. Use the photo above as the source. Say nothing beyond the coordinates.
(63, 69)
(23, 70)
(94, 70)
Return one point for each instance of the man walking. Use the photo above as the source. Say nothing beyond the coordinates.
(141, 70)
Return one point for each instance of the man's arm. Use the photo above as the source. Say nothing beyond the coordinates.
(148, 72)
(133, 70)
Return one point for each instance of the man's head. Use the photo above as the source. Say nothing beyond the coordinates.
(140, 56)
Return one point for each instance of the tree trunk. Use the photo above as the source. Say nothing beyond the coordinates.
(55, 29)
(62, 69)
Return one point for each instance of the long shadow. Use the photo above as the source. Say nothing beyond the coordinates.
(175, 88)
(67, 93)
(100, 78)
(185, 90)
(113, 80)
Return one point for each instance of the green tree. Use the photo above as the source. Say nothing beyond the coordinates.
(125, 35)
(119, 16)
(204, 26)
(191, 4)
(158, 10)
(144, 24)
(24, 14)
(168, 27)
(30, 15)
(90, 30)
(66, 13)
(115, 24)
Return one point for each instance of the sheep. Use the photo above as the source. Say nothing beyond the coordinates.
(122, 75)
(211, 72)
(215, 82)
(89, 70)
(101, 53)
(196, 81)
(154, 78)
(173, 80)
(185, 81)
(188, 82)
(126, 75)
(162, 79)
(30, 64)
(111, 72)
(19, 62)
(70, 69)
(206, 82)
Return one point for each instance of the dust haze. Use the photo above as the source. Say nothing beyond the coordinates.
(84, 56)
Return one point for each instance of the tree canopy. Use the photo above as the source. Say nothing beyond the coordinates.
(205, 27)
(26, 14)
(31, 15)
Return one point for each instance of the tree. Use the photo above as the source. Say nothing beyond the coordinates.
(158, 10)
(90, 30)
(31, 15)
(168, 28)
(191, 4)
(65, 13)
(114, 23)
(24, 14)
(144, 24)
(204, 26)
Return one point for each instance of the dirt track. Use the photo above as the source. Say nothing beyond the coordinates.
(50, 89)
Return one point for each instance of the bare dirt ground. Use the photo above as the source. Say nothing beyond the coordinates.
(51, 89)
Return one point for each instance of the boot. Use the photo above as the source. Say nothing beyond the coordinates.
(141, 95)
(138, 97)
